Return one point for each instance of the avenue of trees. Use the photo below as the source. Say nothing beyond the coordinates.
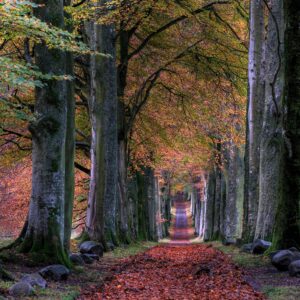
(258, 197)
(149, 97)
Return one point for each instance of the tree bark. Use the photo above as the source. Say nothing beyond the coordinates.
(234, 193)
(271, 138)
(45, 230)
(123, 229)
(287, 231)
(203, 207)
(69, 149)
(209, 211)
(101, 212)
(254, 118)
(217, 204)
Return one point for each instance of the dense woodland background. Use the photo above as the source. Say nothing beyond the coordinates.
(110, 110)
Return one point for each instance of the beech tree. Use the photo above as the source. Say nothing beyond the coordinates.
(45, 228)
(287, 230)
(254, 118)
(101, 211)
(271, 138)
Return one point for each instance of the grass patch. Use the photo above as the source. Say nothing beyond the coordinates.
(5, 242)
(282, 293)
(64, 292)
(129, 250)
(242, 259)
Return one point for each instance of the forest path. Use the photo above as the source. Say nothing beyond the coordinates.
(181, 230)
(178, 270)
(178, 273)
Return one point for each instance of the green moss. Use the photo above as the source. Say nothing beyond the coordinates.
(46, 247)
(282, 293)
(242, 259)
(5, 242)
(130, 250)
(61, 292)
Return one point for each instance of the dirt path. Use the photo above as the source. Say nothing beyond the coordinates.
(178, 270)
(181, 229)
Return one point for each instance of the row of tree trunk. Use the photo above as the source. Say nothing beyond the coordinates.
(217, 198)
(119, 209)
(261, 199)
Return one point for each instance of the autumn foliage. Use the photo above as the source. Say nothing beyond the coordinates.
(177, 272)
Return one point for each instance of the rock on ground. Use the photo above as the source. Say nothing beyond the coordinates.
(294, 268)
(282, 259)
(55, 272)
(91, 247)
(21, 289)
(247, 248)
(34, 279)
(76, 259)
(260, 246)
(87, 259)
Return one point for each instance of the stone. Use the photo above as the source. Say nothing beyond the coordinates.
(91, 247)
(35, 279)
(260, 246)
(76, 259)
(87, 259)
(294, 268)
(283, 258)
(273, 253)
(294, 249)
(55, 272)
(246, 248)
(110, 246)
(93, 256)
(21, 289)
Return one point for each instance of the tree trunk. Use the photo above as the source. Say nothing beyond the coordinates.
(152, 205)
(209, 211)
(203, 207)
(45, 230)
(234, 193)
(287, 231)
(143, 217)
(101, 212)
(69, 149)
(254, 118)
(133, 206)
(271, 138)
(123, 229)
(217, 204)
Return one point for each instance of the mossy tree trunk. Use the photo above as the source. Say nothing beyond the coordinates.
(287, 229)
(254, 118)
(271, 136)
(143, 217)
(45, 229)
(101, 212)
(210, 203)
(217, 204)
(69, 149)
(122, 217)
(234, 192)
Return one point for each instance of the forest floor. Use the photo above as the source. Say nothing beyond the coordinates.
(176, 269)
